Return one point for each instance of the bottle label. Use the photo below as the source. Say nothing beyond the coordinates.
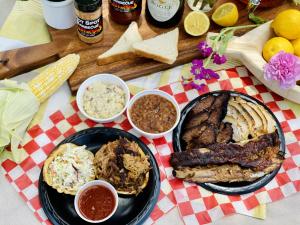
(124, 5)
(163, 10)
(90, 28)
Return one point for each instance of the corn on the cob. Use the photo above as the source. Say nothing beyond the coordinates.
(49, 80)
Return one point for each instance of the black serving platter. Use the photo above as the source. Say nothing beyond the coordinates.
(234, 188)
(59, 208)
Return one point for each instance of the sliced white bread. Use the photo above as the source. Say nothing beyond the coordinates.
(123, 47)
(162, 48)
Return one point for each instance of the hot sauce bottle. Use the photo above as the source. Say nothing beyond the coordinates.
(125, 11)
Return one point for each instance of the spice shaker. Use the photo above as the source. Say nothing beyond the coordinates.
(59, 14)
(89, 20)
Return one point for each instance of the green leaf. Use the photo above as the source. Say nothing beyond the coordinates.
(224, 41)
(213, 38)
(256, 19)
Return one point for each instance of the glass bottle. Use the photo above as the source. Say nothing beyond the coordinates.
(164, 13)
(125, 11)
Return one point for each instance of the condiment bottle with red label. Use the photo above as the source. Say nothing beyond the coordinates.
(125, 11)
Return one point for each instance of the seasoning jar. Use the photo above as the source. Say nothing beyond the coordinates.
(125, 11)
(89, 20)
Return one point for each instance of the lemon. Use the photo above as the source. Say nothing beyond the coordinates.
(287, 24)
(296, 44)
(196, 23)
(226, 15)
(275, 45)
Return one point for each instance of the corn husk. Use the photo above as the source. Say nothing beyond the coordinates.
(20, 102)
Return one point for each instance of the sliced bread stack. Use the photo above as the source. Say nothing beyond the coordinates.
(162, 48)
(123, 47)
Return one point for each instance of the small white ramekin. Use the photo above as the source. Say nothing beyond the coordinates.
(94, 183)
(59, 14)
(105, 78)
(153, 92)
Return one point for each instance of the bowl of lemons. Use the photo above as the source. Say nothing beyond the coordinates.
(256, 48)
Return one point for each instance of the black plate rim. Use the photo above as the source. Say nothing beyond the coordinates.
(145, 212)
(215, 187)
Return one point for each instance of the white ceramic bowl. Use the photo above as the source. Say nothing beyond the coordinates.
(105, 78)
(93, 183)
(153, 92)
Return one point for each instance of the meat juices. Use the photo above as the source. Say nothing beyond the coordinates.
(96, 202)
(153, 114)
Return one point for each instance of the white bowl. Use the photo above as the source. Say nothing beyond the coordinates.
(153, 92)
(94, 183)
(105, 78)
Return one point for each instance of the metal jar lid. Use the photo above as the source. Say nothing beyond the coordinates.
(88, 5)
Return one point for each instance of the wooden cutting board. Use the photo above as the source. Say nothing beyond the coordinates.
(66, 41)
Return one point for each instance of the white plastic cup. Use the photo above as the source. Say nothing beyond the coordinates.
(90, 184)
(59, 15)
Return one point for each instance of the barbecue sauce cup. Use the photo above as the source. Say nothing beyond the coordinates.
(96, 201)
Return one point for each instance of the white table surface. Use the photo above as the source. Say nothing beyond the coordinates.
(14, 211)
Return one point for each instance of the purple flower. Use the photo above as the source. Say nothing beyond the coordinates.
(204, 49)
(210, 74)
(197, 70)
(202, 73)
(283, 67)
(219, 59)
(197, 86)
(197, 62)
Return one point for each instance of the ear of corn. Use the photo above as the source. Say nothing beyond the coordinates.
(50, 79)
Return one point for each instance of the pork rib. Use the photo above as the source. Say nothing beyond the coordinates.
(222, 173)
(249, 155)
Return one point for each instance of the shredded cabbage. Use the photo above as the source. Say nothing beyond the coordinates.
(18, 105)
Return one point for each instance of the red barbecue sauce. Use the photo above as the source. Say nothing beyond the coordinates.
(96, 202)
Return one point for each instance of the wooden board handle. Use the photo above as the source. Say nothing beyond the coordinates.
(21, 60)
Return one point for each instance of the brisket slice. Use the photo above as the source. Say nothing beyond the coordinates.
(207, 137)
(218, 109)
(225, 133)
(202, 135)
(202, 128)
(202, 105)
(197, 120)
(194, 132)
(247, 155)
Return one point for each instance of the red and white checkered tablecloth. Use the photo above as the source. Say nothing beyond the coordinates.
(196, 205)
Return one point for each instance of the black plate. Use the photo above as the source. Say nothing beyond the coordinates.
(131, 209)
(234, 188)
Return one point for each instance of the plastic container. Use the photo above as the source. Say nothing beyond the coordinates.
(59, 14)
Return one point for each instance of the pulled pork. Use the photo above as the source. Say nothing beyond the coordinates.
(124, 165)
